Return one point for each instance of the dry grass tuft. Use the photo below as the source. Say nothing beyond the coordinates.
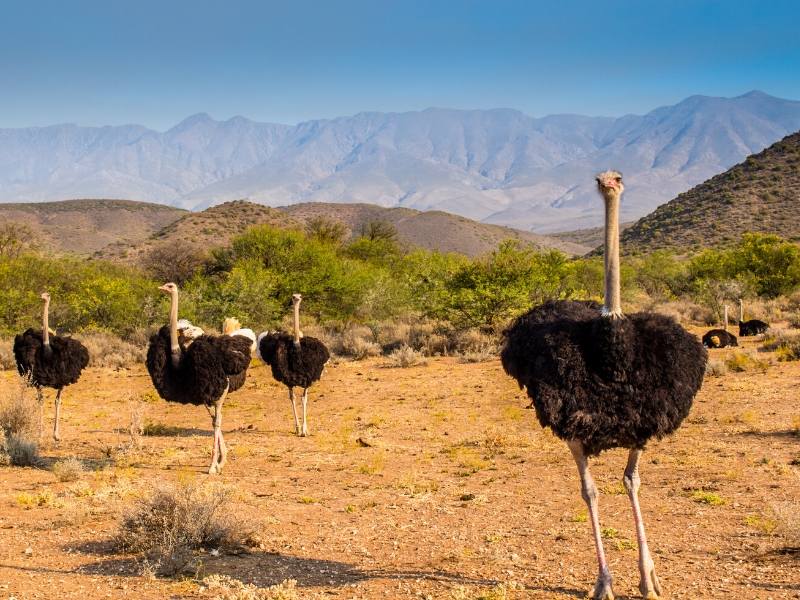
(716, 368)
(7, 360)
(19, 452)
(785, 344)
(357, 342)
(787, 517)
(741, 362)
(169, 526)
(18, 412)
(228, 588)
(109, 351)
(68, 469)
(405, 357)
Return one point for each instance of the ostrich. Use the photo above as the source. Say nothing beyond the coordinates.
(751, 327)
(49, 362)
(296, 361)
(603, 380)
(720, 338)
(196, 368)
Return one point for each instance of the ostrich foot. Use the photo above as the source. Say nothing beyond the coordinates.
(214, 469)
(602, 589)
(649, 585)
(303, 432)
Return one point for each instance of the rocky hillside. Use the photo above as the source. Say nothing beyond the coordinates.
(761, 194)
(85, 226)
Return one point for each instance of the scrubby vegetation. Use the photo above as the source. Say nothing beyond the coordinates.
(370, 295)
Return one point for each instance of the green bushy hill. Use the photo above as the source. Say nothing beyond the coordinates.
(760, 195)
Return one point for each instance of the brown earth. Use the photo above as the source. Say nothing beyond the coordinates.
(459, 490)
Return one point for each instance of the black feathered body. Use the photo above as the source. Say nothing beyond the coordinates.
(207, 366)
(293, 365)
(752, 327)
(605, 382)
(57, 368)
(719, 338)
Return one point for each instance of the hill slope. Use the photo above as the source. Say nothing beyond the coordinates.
(497, 166)
(435, 230)
(761, 194)
(84, 226)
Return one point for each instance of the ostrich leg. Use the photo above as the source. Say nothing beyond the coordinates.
(304, 431)
(602, 589)
(216, 421)
(40, 400)
(649, 586)
(56, 433)
(294, 411)
(223, 448)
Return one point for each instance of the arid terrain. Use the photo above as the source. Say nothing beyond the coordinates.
(425, 482)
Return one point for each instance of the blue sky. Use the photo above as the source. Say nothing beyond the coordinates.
(154, 63)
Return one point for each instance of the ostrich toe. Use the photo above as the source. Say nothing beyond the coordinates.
(602, 589)
(649, 585)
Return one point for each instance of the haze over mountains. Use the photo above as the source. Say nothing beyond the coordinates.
(497, 166)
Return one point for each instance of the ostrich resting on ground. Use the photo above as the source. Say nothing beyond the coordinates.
(49, 362)
(602, 380)
(719, 338)
(295, 360)
(196, 368)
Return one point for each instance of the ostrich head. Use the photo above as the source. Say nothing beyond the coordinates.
(297, 298)
(609, 183)
(168, 288)
(45, 296)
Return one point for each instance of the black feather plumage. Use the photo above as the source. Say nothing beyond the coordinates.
(293, 366)
(752, 327)
(57, 368)
(207, 366)
(605, 382)
(719, 338)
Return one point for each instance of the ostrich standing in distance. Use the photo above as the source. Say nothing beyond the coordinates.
(603, 380)
(295, 360)
(751, 327)
(49, 362)
(197, 369)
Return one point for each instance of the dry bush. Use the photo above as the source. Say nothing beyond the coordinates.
(228, 588)
(785, 344)
(405, 357)
(794, 321)
(787, 515)
(19, 452)
(393, 335)
(110, 351)
(429, 338)
(684, 311)
(7, 360)
(170, 525)
(474, 346)
(68, 469)
(357, 342)
(716, 368)
(19, 412)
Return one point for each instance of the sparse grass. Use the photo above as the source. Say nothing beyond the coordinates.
(156, 429)
(614, 489)
(167, 527)
(20, 452)
(707, 497)
(412, 484)
(307, 500)
(513, 413)
(787, 518)
(109, 351)
(581, 517)
(501, 591)
(764, 524)
(228, 588)
(19, 412)
(785, 344)
(43, 499)
(468, 460)
(374, 466)
(68, 469)
(405, 357)
(609, 533)
(740, 362)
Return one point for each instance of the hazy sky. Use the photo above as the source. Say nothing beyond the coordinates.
(156, 62)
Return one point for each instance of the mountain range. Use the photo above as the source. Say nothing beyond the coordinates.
(496, 166)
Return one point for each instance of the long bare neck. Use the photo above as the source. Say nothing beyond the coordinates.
(297, 323)
(613, 304)
(741, 311)
(725, 322)
(175, 347)
(46, 324)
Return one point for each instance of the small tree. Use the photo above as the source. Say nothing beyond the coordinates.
(378, 230)
(16, 238)
(176, 260)
(327, 230)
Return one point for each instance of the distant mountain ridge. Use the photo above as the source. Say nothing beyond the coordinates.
(760, 194)
(497, 166)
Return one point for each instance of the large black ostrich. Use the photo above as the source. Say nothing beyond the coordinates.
(198, 369)
(719, 338)
(603, 380)
(53, 362)
(751, 327)
(296, 361)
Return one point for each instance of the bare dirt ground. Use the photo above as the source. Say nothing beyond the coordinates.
(458, 492)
